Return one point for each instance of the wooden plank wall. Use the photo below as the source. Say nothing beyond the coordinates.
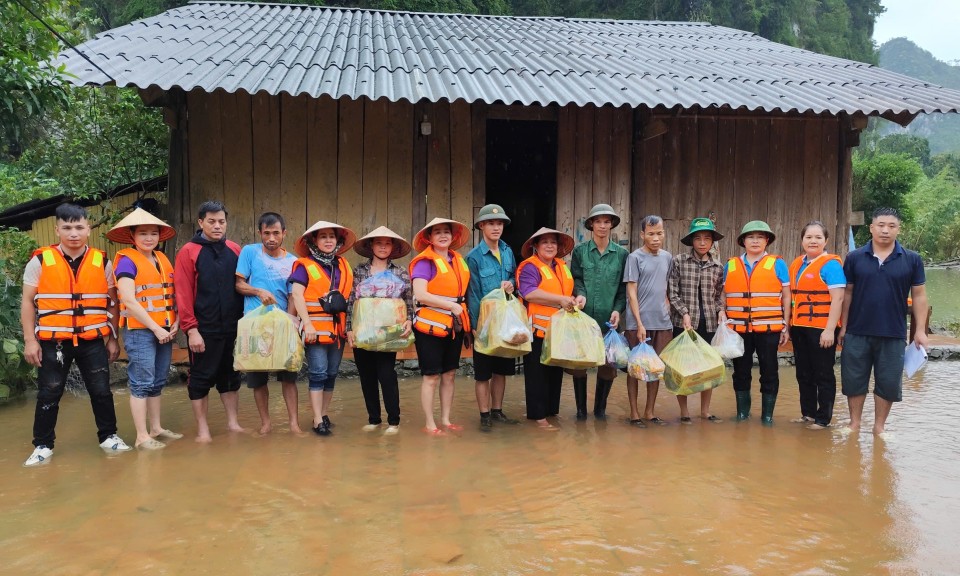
(355, 162)
(593, 166)
(735, 168)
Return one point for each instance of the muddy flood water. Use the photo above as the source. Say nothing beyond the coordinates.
(593, 498)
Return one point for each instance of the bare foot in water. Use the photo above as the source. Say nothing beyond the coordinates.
(265, 429)
(296, 431)
(235, 428)
(203, 438)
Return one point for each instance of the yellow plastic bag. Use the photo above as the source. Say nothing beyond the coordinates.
(267, 341)
(693, 365)
(378, 324)
(502, 328)
(573, 341)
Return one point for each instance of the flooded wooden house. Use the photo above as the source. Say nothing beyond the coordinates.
(374, 117)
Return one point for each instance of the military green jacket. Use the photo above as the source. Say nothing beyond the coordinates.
(599, 277)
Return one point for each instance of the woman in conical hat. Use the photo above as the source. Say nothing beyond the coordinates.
(321, 281)
(148, 319)
(378, 368)
(546, 285)
(440, 278)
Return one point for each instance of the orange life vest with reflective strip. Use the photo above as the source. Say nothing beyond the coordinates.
(811, 297)
(72, 306)
(449, 283)
(331, 328)
(153, 289)
(557, 281)
(754, 301)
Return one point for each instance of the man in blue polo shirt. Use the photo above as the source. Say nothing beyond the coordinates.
(880, 277)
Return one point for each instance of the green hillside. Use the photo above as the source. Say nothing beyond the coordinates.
(903, 56)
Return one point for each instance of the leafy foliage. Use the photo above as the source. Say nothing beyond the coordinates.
(17, 374)
(102, 138)
(883, 180)
(20, 184)
(29, 85)
(935, 228)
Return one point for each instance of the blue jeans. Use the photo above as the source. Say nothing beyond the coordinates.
(91, 359)
(323, 362)
(149, 362)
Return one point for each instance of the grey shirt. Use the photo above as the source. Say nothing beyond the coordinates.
(650, 273)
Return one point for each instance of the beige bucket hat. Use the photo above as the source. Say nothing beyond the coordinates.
(347, 235)
(122, 232)
(461, 234)
(364, 246)
(565, 241)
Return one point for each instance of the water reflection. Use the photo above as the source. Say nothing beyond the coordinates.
(595, 498)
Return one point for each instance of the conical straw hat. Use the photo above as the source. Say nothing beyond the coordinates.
(364, 247)
(122, 232)
(461, 234)
(345, 234)
(565, 242)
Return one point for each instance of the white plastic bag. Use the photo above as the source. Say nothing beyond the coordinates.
(727, 342)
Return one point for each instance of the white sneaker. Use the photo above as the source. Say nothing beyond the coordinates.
(391, 430)
(370, 427)
(41, 455)
(114, 444)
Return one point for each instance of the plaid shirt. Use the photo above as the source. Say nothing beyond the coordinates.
(362, 272)
(686, 275)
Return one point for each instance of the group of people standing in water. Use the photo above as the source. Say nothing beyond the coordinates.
(76, 301)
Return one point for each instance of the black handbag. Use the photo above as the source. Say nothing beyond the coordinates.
(333, 302)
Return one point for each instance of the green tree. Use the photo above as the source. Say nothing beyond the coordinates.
(29, 84)
(916, 147)
(883, 180)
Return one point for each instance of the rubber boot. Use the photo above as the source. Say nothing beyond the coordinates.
(768, 401)
(743, 404)
(580, 395)
(600, 398)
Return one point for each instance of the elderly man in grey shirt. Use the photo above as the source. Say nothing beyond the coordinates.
(648, 312)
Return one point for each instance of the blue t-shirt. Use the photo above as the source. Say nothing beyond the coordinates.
(779, 267)
(880, 291)
(265, 272)
(831, 274)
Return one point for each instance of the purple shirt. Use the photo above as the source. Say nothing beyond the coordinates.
(426, 269)
(300, 276)
(530, 278)
(126, 268)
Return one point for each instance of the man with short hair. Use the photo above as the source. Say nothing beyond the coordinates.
(880, 277)
(648, 315)
(69, 314)
(262, 273)
(209, 306)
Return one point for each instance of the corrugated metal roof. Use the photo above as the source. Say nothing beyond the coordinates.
(409, 56)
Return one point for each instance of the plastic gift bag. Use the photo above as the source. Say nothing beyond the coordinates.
(692, 365)
(727, 342)
(384, 284)
(615, 348)
(502, 328)
(644, 364)
(378, 323)
(573, 341)
(267, 341)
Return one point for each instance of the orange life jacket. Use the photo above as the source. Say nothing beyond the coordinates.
(72, 306)
(555, 281)
(754, 301)
(811, 297)
(450, 283)
(331, 328)
(153, 289)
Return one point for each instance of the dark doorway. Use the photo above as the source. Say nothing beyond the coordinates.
(522, 175)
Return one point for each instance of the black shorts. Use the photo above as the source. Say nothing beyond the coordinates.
(437, 355)
(258, 379)
(213, 368)
(484, 367)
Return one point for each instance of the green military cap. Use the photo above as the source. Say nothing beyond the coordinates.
(756, 226)
(491, 212)
(701, 225)
(601, 210)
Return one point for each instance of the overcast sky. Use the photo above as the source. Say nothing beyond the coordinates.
(934, 25)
